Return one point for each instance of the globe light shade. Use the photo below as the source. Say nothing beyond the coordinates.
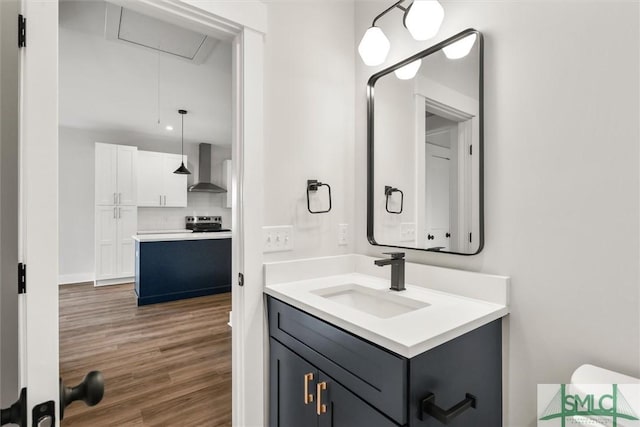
(374, 47)
(423, 19)
(409, 71)
(461, 48)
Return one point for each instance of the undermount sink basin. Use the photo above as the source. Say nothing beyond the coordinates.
(376, 302)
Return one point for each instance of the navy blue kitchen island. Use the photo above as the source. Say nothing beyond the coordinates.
(176, 266)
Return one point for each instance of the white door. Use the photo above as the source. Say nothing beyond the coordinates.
(175, 185)
(106, 159)
(150, 178)
(106, 242)
(127, 225)
(437, 197)
(38, 241)
(127, 175)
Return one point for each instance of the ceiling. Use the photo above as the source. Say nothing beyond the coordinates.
(108, 84)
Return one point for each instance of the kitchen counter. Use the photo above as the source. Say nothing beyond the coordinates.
(175, 266)
(448, 315)
(188, 235)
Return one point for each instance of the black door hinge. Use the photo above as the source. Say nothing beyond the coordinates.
(471, 150)
(22, 278)
(240, 279)
(470, 240)
(22, 31)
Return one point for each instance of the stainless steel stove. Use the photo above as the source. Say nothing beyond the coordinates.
(205, 224)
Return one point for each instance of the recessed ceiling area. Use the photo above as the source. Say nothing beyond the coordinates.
(126, 72)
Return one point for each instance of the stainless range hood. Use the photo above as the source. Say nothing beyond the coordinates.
(204, 172)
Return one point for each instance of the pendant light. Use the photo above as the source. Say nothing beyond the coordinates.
(182, 170)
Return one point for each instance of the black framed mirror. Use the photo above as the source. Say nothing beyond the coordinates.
(425, 142)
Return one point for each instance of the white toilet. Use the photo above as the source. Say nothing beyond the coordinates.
(590, 379)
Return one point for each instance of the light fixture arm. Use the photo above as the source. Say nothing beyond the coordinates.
(389, 9)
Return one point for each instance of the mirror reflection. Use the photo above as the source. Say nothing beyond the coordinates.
(425, 149)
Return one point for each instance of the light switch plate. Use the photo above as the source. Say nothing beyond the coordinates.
(343, 234)
(407, 232)
(277, 238)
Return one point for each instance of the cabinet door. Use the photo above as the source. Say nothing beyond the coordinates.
(106, 161)
(150, 178)
(175, 185)
(126, 252)
(287, 407)
(106, 242)
(127, 175)
(345, 409)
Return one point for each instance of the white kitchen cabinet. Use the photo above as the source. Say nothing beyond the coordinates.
(175, 185)
(158, 186)
(115, 247)
(116, 174)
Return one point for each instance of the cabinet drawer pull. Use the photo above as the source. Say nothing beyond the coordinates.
(308, 397)
(446, 415)
(160, 200)
(320, 407)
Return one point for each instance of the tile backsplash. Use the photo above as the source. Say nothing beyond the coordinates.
(159, 219)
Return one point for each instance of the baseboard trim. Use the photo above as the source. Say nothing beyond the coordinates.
(71, 279)
(117, 281)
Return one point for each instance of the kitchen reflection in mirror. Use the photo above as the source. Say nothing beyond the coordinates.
(425, 147)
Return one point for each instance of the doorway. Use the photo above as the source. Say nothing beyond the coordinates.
(139, 97)
(242, 23)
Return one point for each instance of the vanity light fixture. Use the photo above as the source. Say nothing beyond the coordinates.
(409, 71)
(422, 18)
(182, 170)
(461, 48)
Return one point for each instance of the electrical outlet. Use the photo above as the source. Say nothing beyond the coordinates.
(407, 232)
(343, 234)
(277, 238)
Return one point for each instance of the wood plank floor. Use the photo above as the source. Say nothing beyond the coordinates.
(165, 364)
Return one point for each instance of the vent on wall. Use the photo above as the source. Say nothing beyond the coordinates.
(128, 26)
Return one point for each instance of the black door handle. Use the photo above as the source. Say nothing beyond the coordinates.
(16, 413)
(445, 416)
(430, 237)
(90, 391)
(447, 235)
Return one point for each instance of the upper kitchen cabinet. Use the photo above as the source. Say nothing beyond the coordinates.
(158, 186)
(116, 172)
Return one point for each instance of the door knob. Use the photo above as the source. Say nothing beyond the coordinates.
(447, 235)
(430, 237)
(90, 391)
(16, 413)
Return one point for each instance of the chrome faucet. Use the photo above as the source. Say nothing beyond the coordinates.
(397, 269)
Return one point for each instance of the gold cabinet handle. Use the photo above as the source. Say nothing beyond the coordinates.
(320, 407)
(308, 397)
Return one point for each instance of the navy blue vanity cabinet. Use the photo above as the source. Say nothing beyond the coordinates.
(362, 384)
(302, 396)
(178, 269)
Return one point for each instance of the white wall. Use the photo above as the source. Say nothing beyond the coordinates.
(561, 189)
(77, 202)
(309, 120)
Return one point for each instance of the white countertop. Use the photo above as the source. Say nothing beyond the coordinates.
(172, 236)
(448, 316)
